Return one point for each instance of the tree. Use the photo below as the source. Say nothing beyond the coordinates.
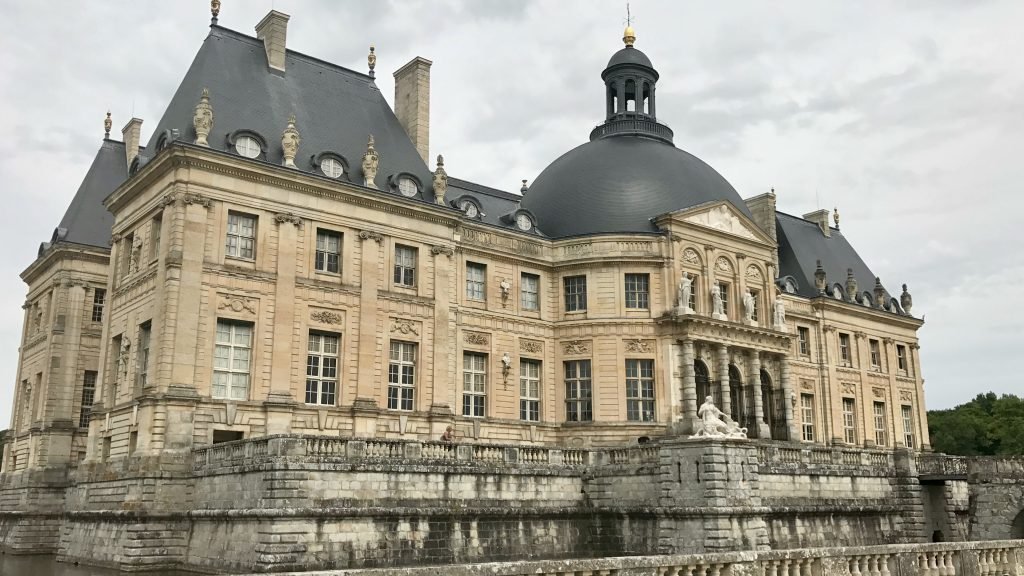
(989, 425)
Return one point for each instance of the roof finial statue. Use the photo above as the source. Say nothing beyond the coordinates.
(851, 286)
(879, 293)
(523, 190)
(440, 181)
(107, 123)
(835, 216)
(629, 35)
(819, 278)
(906, 301)
(371, 61)
(290, 142)
(202, 119)
(214, 11)
(370, 161)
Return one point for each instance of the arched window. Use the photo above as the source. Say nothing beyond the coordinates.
(771, 405)
(700, 371)
(646, 98)
(613, 99)
(630, 96)
(736, 396)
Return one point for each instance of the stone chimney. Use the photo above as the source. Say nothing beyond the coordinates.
(273, 30)
(132, 135)
(412, 102)
(763, 208)
(820, 217)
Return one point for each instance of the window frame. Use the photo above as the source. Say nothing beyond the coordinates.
(901, 359)
(324, 386)
(756, 295)
(404, 274)
(474, 384)
(322, 266)
(524, 301)
(640, 390)
(807, 417)
(99, 303)
(142, 356)
(881, 422)
(637, 295)
(850, 420)
(909, 429)
(875, 352)
(723, 291)
(845, 355)
(579, 391)
(245, 136)
(155, 232)
(89, 378)
(529, 404)
(402, 375)
(233, 327)
(574, 290)
(238, 253)
(803, 334)
(476, 281)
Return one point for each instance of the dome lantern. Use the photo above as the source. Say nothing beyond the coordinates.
(630, 81)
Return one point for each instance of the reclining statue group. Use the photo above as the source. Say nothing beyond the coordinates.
(716, 424)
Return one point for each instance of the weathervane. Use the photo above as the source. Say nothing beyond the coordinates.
(629, 37)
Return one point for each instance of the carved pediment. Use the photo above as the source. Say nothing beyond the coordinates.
(725, 219)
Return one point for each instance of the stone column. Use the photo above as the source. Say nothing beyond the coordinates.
(690, 402)
(788, 398)
(280, 401)
(754, 379)
(914, 363)
(723, 378)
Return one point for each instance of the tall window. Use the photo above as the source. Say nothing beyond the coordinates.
(328, 252)
(575, 293)
(844, 349)
(850, 420)
(876, 355)
(529, 390)
(405, 266)
(723, 291)
(640, 390)
(474, 384)
(881, 431)
(703, 378)
(127, 249)
(807, 416)
(637, 291)
(737, 399)
(579, 398)
(241, 239)
(142, 357)
(529, 291)
(88, 397)
(901, 358)
(401, 375)
(476, 281)
(908, 426)
(99, 300)
(322, 369)
(231, 360)
(156, 228)
(757, 306)
(695, 281)
(804, 340)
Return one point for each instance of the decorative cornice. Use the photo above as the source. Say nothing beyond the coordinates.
(371, 235)
(282, 217)
(446, 250)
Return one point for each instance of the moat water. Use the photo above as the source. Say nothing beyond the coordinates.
(48, 566)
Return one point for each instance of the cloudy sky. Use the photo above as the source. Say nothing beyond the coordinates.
(907, 115)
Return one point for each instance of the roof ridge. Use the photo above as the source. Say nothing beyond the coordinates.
(312, 59)
(483, 189)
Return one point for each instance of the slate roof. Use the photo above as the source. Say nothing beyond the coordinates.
(336, 109)
(87, 220)
(802, 244)
(493, 203)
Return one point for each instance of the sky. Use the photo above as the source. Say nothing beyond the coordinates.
(906, 115)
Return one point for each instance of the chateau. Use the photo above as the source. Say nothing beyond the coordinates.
(286, 269)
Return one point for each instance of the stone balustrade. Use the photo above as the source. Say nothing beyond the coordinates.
(781, 456)
(994, 558)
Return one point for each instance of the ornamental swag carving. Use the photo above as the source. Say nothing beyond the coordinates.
(576, 347)
(370, 235)
(476, 338)
(641, 346)
(326, 317)
(404, 327)
(237, 304)
(907, 395)
(531, 346)
(878, 392)
(848, 388)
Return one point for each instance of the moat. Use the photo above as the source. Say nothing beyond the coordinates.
(48, 566)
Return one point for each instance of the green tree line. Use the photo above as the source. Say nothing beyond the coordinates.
(989, 425)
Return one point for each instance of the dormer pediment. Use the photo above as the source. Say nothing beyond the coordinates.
(722, 217)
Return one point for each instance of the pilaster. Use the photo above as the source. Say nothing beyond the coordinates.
(281, 396)
(788, 398)
(442, 258)
(689, 387)
(754, 380)
(366, 383)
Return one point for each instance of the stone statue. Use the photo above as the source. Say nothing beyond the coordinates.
(717, 310)
(440, 181)
(202, 119)
(906, 300)
(716, 424)
(290, 140)
(506, 288)
(370, 161)
(748, 305)
(779, 320)
(371, 61)
(122, 356)
(135, 256)
(684, 292)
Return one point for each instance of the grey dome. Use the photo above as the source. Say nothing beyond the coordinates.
(630, 55)
(617, 184)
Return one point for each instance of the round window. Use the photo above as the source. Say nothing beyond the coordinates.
(332, 167)
(523, 222)
(247, 146)
(469, 208)
(407, 186)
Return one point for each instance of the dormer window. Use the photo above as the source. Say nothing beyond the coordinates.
(332, 167)
(469, 206)
(524, 222)
(247, 146)
(407, 186)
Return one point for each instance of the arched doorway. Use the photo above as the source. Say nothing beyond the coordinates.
(703, 378)
(771, 405)
(1017, 528)
(737, 398)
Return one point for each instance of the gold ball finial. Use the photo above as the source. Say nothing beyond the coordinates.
(629, 36)
(214, 11)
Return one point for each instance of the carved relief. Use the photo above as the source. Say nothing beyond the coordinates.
(282, 217)
(848, 388)
(446, 250)
(191, 198)
(878, 392)
(576, 250)
(754, 273)
(640, 346)
(806, 385)
(721, 218)
(576, 347)
(907, 395)
(476, 339)
(404, 326)
(690, 257)
(723, 264)
(237, 304)
(370, 235)
(531, 346)
(327, 317)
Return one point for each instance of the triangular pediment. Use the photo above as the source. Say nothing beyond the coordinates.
(723, 217)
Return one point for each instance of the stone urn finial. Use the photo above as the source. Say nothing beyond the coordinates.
(290, 140)
(202, 119)
(851, 286)
(906, 300)
(524, 188)
(819, 278)
(879, 293)
(214, 11)
(107, 123)
(440, 181)
(371, 61)
(835, 216)
(370, 162)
